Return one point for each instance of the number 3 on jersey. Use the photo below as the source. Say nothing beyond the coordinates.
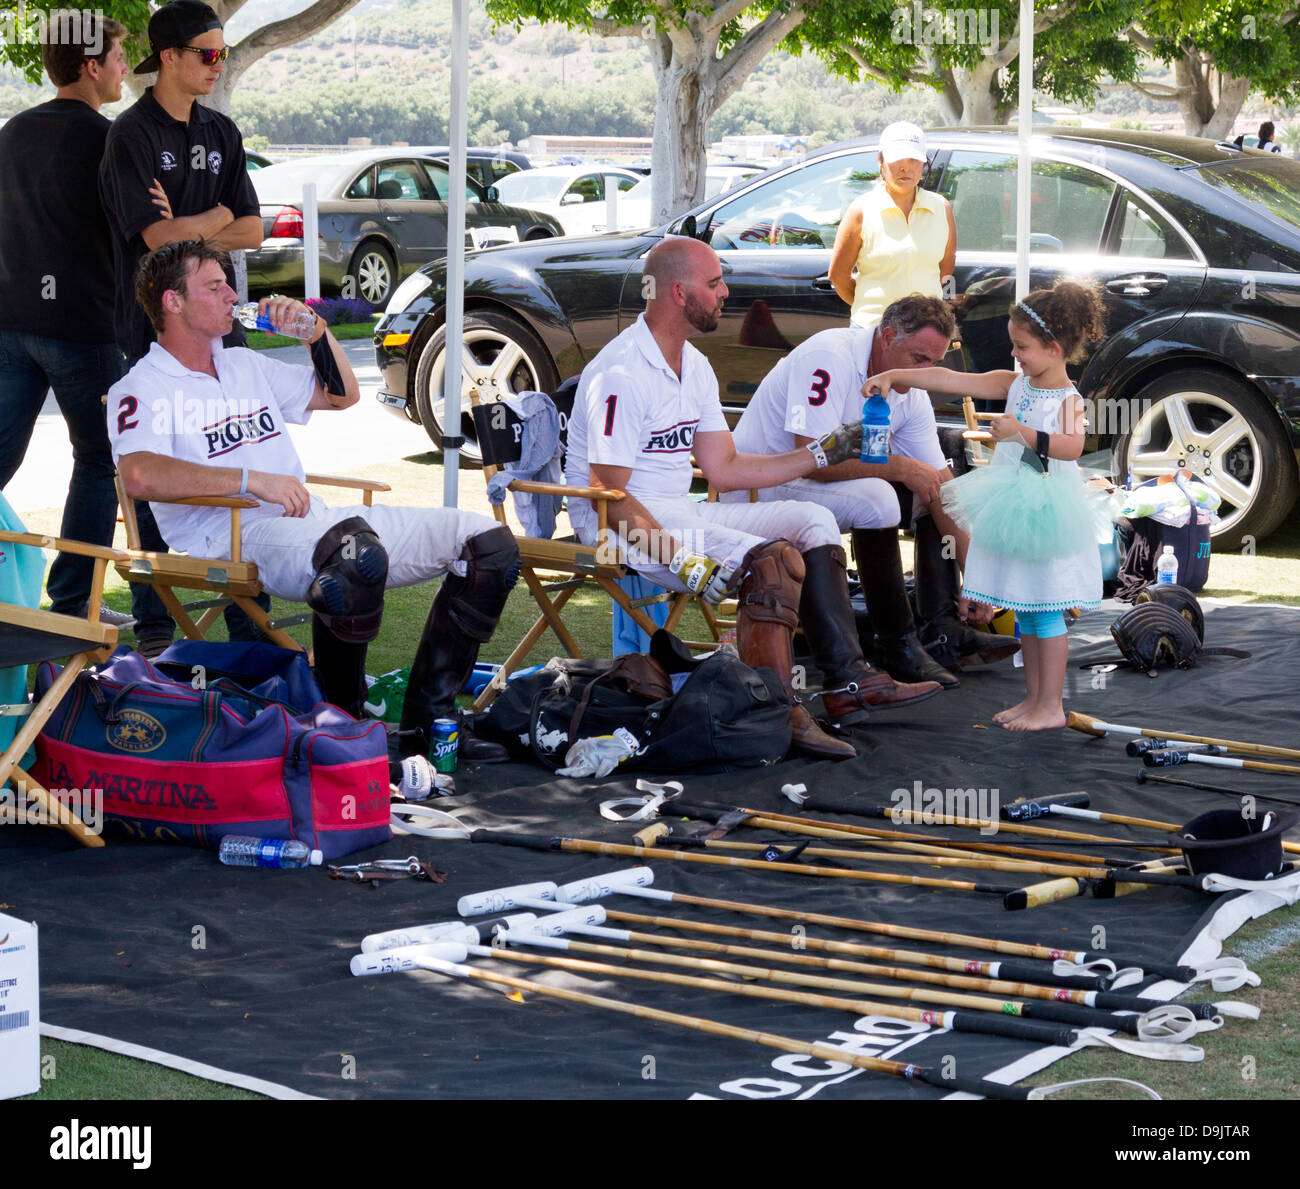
(821, 381)
(611, 401)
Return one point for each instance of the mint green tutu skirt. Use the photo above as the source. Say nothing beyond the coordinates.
(1019, 512)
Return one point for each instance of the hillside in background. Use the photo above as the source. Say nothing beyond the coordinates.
(382, 72)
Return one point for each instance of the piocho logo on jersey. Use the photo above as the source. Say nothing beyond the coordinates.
(237, 428)
(135, 731)
(676, 439)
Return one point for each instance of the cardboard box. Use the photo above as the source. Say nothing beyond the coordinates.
(20, 1010)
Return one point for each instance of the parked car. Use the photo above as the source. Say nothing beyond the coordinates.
(1196, 247)
(382, 214)
(573, 194)
(256, 160)
(634, 206)
(485, 166)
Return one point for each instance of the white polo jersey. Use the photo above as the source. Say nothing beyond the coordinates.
(235, 420)
(632, 410)
(818, 387)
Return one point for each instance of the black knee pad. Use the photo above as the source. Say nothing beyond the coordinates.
(475, 602)
(348, 590)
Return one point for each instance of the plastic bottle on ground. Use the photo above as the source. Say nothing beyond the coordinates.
(239, 850)
(1167, 566)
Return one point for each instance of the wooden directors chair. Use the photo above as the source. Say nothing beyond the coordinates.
(554, 570)
(232, 581)
(29, 636)
(980, 440)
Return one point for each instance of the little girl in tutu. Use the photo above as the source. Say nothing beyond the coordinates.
(1033, 540)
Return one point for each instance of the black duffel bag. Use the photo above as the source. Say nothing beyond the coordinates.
(723, 716)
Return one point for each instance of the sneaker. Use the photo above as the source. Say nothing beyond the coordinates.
(151, 645)
(117, 619)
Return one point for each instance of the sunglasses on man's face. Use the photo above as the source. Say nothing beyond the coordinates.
(210, 57)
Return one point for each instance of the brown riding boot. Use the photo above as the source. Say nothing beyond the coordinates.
(851, 687)
(768, 612)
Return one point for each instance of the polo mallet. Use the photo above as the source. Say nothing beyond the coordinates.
(781, 821)
(900, 840)
(1160, 1032)
(528, 894)
(1145, 777)
(586, 846)
(1166, 759)
(1024, 809)
(1225, 974)
(442, 931)
(1070, 1007)
(1140, 747)
(773, 852)
(824, 1052)
(1095, 726)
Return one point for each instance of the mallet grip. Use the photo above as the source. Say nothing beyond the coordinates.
(1047, 892)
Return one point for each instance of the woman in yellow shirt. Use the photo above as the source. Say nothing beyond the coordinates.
(903, 239)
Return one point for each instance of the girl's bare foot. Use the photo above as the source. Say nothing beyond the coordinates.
(1013, 712)
(1036, 720)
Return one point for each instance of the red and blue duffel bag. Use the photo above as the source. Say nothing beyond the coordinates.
(192, 761)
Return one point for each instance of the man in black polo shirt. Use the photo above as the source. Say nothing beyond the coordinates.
(174, 170)
(56, 298)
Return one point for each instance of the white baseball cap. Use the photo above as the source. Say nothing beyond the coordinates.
(902, 142)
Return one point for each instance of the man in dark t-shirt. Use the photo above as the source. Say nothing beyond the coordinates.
(174, 170)
(56, 293)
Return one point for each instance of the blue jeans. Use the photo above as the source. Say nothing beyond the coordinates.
(80, 374)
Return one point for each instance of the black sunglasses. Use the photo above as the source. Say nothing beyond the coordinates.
(210, 57)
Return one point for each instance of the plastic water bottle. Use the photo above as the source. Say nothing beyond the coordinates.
(1167, 566)
(875, 429)
(301, 326)
(238, 850)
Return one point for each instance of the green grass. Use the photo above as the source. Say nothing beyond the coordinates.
(1269, 574)
(79, 1073)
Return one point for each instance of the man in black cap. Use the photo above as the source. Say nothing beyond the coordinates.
(174, 170)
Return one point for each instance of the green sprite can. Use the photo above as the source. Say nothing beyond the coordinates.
(443, 744)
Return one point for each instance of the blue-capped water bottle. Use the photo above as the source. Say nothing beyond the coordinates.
(875, 429)
(301, 326)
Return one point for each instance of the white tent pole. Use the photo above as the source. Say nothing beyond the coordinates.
(456, 141)
(1025, 166)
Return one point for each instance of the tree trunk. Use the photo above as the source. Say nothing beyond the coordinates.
(967, 98)
(683, 107)
(1208, 99)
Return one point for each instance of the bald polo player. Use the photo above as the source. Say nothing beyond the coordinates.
(646, 403)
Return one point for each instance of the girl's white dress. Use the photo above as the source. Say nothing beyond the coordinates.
(1027, 584)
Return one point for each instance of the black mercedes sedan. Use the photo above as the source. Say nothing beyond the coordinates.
(1196, 247)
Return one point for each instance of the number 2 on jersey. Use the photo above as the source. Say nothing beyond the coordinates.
(610, 402)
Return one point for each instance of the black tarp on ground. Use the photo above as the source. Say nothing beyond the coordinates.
(270, 995)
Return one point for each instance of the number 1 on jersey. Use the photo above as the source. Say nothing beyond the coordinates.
(610, 402)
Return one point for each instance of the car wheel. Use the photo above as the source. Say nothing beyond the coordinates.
(372, 274)
(538, 233)
(1219, 431)
(501, 356)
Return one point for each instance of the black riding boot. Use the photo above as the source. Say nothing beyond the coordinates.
(938, 586)
(880, 570)
(826, 615)
(340, 668)
(463, 617)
